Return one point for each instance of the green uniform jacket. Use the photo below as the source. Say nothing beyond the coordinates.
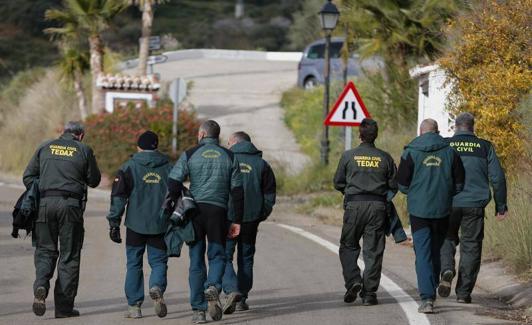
(482, 167)
(141, 184)
(258, 180)
(214, 175)
(366, 170)
(63, 164)
(430, 173)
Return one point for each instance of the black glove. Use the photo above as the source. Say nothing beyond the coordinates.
(114, 234)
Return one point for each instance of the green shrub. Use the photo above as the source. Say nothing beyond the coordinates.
(113, 136)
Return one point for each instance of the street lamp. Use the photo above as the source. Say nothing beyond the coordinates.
(328, 18)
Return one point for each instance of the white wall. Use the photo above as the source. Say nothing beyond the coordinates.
(432, 100)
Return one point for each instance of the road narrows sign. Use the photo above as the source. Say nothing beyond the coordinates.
(349, 109)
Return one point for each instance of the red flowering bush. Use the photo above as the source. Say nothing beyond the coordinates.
(113, 136)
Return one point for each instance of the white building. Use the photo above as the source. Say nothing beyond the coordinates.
(432, 101)
(123, 90)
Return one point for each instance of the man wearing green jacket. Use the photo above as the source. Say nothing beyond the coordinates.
(140, 185)
(259, 198)
(366, 176)
(64, 168)
(214, 175)
(430, 173)
(482, 168)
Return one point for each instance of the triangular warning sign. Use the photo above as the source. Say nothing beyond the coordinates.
(349, 109)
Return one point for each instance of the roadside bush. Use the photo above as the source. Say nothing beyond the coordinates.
(113, 136)
(490, 64)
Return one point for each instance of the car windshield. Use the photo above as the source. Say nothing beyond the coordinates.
(318, 51)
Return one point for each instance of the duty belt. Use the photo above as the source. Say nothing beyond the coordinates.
(60, 193)
(364, 197)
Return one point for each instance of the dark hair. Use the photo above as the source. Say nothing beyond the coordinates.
(241, 136)
(211, 129)
(74, 127)
(368, 130)
(465, 120)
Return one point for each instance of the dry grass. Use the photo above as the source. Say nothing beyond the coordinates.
(511, 239)
(39, 115)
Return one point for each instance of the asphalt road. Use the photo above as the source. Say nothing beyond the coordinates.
(298, 279)
(243, 96)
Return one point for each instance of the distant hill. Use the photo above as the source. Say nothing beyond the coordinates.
(186, 24)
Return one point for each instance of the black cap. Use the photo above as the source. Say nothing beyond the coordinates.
(148, 141)
(368, 122)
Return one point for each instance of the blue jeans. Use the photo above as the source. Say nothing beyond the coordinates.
(243, 281)
(245, 243)
(428, 236)
(134, 286)
(198, 277)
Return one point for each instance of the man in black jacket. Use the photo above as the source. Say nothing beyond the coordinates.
(64, 168)
(482, 168)
(366, 176)
(259, 198)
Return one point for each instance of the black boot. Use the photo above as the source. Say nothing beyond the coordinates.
(370, 300)
(39, 303)
(68, 314)
(351, 293)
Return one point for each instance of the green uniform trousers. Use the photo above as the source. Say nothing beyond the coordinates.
(59, 235)
(470, 223)
(366, 220)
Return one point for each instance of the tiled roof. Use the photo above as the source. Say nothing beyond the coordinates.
(126, 82)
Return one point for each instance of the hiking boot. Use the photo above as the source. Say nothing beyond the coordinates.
(214, 305)
(369, 301)
(198, 317)
(351, 293)
(426, 307)
(61, 314)
(158, 302)
(230, 302)
(444, 288)
(463, 300)
(39, 302)
(242, 305)
(133, 312)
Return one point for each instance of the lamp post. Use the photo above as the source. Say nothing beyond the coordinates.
(328, 18)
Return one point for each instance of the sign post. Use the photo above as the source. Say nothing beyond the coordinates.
(177, 92)
(349, 110)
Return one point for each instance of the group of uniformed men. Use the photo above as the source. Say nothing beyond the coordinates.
(234, 190)
(446, 181)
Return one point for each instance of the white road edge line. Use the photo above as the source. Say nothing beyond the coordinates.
(407, 303)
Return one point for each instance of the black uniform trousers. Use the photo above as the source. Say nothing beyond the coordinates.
(366, 220)
(469, 222)
(59, 235)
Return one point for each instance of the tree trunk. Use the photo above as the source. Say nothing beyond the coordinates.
(96, 49)
(80, 94)
(144, 51)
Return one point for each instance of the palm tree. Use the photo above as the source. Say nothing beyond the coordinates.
(90, 18)
(146, 6)
(73, 65)
(400, 31)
